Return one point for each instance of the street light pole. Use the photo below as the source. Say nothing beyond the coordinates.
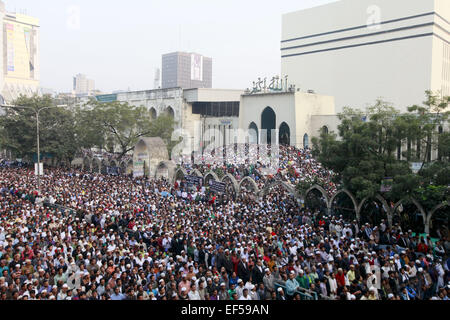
(38, 154)
(37, 139)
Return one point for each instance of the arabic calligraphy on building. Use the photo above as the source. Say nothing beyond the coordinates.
(276, 84)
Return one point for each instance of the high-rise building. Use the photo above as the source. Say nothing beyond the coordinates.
(82, 86)
(186, 70)
(359, 50)
(20, 51)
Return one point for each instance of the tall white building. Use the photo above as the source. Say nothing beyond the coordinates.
(20, 52)
(82, 86)
(359, 50)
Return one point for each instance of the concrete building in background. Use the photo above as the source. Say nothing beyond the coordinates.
(82, 86)
(21, 55)
(195, 111)
(186, 70)
(359, 50)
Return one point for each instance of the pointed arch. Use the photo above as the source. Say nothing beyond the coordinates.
(162, 171)
(211, 175)
(350, 195)
(114, 163)
(284, 134)
(153, 113)
(383, 202)
(96, 165)
(321, 190)
(268, 123)
(232, 180)
(416, 203)
(305, 141)
(104, 164)
(433, 212)
(288, 187)
(87, 164)
(170, 112)
(197, 173)
(123, 167)
(180, 173)
(252, 183)
(253, 133)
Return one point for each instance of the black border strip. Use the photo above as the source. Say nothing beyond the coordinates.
(365, 35)
(364, 26)
(361, 44)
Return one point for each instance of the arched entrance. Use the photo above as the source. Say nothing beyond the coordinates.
(409, 217)
(162, 171)
(123, 167)
(169, 111)
(180, 174)
(439, 223)
(372, 212)
(153, 114)
(248, 184)
(268, 123)
(306, 141)
(95, 165)
(232, 187)
(253, 133)
(315, 200)
(104, 167)
(342, 205)
(284, 137)
(87, 164)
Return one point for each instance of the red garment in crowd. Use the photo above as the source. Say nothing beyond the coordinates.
(340, 279)
(422, 247)
(235, 261)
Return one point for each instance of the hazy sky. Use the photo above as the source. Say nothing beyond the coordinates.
(119, 43)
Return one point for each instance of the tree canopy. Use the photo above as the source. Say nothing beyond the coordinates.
(56, 128)
(113, 127)
(380, 142)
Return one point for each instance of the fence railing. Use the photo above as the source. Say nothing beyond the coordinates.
(305, 294)
(59, 207)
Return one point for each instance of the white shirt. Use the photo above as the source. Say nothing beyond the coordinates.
(194, 295)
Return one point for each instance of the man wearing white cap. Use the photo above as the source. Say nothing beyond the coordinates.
(269, 280)
(63, 293)
(240, 288)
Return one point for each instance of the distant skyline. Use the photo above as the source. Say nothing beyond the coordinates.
(119, 44)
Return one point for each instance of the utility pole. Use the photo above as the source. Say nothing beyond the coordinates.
(37, 111)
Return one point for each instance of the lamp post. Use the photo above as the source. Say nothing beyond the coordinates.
(37, 111)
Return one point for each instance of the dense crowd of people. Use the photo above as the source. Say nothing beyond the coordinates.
(287, 163)
(98, 237)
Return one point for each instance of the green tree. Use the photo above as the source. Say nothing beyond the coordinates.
(370, 145)
(57, 130)
(117, 124)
